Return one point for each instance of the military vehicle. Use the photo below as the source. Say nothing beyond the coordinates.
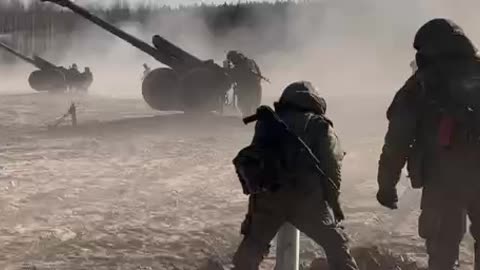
(50, 77)
(187, 83)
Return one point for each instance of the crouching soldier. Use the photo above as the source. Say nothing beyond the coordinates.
(280, 170)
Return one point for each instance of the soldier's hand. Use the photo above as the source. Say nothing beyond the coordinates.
(388, 198)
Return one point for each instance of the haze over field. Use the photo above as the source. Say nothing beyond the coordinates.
(133, 187)
(345, 47)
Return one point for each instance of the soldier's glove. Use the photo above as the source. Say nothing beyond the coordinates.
(245, 227)
(388, 197)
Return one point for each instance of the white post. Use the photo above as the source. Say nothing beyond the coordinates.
(288, 252)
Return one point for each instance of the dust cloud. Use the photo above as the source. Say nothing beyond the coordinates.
(356, 52)
(345, 48)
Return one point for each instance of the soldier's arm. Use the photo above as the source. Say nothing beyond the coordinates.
(329, 151)
(260, 134)
(402, 117)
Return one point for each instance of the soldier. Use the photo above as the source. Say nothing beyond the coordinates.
(146, 70)
(73, 75)
(434, 131)
(301, 200)
(247, 76)
(86, 79)
(74, 70)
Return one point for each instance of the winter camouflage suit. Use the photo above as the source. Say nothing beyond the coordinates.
(449, 176)
(301, 202)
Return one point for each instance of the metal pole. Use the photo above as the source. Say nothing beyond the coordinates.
(73, 113)
(288, 252)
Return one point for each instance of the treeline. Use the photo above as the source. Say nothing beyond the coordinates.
(34, 28)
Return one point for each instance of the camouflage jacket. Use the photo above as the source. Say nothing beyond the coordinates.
(413, 139)
(303, 112)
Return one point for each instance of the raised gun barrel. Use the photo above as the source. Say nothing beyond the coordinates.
(47, 78)
(167, 53)
(36, 61)
(41, 63)
(18, 54)
(188, 84)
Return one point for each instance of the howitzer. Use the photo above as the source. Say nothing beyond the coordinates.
(187, 84)
(47, 78)
(50, 77)
(331, 189)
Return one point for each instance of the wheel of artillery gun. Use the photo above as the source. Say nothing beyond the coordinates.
(47, 80)
(202, 90)
(161, 90)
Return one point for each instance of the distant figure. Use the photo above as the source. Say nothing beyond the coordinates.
(434, 130)
(146, 71)
(86, 79)
(73, 76)
(247, 77)
(74, 70)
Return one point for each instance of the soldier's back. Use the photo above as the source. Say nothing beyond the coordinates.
(450, 127)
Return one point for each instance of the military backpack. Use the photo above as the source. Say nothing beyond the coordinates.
(453, 89)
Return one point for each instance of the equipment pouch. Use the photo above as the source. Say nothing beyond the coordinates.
(258, 169)
(415, 166)
(445, 132)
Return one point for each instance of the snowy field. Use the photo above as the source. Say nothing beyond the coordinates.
(132, 188)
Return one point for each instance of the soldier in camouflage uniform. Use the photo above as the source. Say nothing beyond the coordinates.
(248, 89)
(441, 159)
(301, 202)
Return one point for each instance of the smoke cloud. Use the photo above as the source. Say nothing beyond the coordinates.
(343, 47)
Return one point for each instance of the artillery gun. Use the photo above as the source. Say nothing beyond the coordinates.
(186, 84)
(50, 77)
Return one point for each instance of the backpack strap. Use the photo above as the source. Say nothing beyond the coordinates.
(309, 118)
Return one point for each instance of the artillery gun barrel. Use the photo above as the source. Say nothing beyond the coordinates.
(167, 54)
(17, 54)
(42, 63)
(36, 61)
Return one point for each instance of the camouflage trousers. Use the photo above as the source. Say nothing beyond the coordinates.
(307, 212)
(443, 223)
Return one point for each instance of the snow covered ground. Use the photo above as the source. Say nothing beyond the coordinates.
(132, 188)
